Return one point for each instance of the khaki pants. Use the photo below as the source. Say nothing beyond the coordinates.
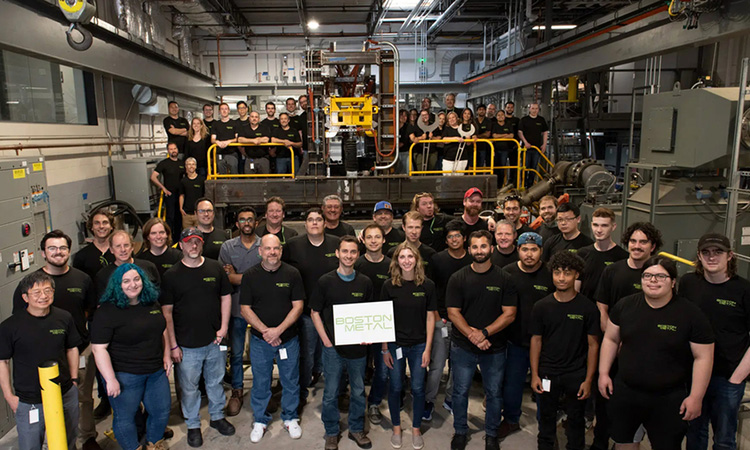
(86, 377)
(189, 220)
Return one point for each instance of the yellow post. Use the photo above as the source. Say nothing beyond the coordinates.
(572, 89)
(54, 419)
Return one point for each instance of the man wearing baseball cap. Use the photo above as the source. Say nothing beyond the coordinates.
(533, 282)
(472, 207)
(382, 214)
(724, 297)
(196, 299)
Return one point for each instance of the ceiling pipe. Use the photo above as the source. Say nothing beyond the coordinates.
(446, 16)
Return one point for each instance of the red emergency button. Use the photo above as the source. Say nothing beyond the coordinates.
(25, 229)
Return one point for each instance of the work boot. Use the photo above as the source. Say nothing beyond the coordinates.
(159, 445)
(234, 405)
(361, 439)
(103, 409)
(332, 443)
(506, 429)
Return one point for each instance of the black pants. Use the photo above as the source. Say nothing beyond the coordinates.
(549, 402)
(173, 217)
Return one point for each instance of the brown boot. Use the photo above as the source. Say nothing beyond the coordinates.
(159, 445)
(235, 403)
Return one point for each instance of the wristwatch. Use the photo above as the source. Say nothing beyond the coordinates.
(485, 333)
(74, 380)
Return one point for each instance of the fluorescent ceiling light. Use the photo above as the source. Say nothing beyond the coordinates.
(404, 4)
(313, 24)
(402, 19)
(555, 27)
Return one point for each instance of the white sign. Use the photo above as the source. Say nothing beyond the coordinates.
(358, 323)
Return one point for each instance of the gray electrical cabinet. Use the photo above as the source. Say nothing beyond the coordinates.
(133, 182)
(24, 219)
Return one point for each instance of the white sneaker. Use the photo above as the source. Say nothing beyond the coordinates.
(292, 426)
(257, 434)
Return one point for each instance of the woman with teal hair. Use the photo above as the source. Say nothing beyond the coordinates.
(128, 340)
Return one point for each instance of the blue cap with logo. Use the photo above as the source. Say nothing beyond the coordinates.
(382, 205)
(530, 238)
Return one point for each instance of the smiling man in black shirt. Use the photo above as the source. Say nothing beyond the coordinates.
(602, 253)
(382, 214)
(213, 237)
(570, 237)
(171, 170)
(224, 132)
(481, 301)
(333, 207)
(339, 287)
(176, 127)
(91, 258)
(564, 350)
(32, 337)
(505, 251)
(272, 298)
(724, 297)
(257, 156)
(433, 227)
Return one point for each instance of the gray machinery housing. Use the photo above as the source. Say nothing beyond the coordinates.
(24, 202)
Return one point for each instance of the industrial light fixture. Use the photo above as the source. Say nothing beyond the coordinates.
(313, 24)
(555, 27)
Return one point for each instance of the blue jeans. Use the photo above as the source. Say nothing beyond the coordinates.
(31, 436)
(532, 159)
(262, 355)
(413, 354)
(210, 361)
(153, 390)
(464, 365)
(379, 377)
(284, 165)
(720, 407)
(333, 369)
(309, 358)
(516, 367)
(237, 333)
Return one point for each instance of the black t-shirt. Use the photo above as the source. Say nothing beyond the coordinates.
(727, 306)
(271, 125)
(450, 150)
(483, 127)
(302, 126)
(426, 253)
(29, 341)
(501, 260)
(505, 128)
(596, 261)
(163, 262)
(74, 293)
(196, 295)
(179, 122)
(225, 131)
(531, 287)
(377, 272)
(210, 125)
(311, 261)
(433, 231)
(90, 260)
(393, 238)
(533, 128)
(547, 231)
(284, 234)
(341, 230)
(103, 276)
(417, 132)
(514, 123)
(134, 335)
(480, 225)
(198, 151)
(655, 350)
(410, 306)
(212, 243)
(558, 242)
(192, 189)
(171, 173)
(332, 290)
(443, 267)
(247, 131)
(290, 134)
(270, 295)
(481, 297)
(618, 280)
(564, 328)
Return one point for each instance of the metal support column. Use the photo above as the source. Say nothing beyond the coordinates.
(655, 179)
(734, 173)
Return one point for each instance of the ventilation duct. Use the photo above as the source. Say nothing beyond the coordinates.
(181, 32)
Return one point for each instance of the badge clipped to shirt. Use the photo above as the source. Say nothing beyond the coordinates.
(223, 348)
(546, 385)
(282, 354)
(82, 362)
(33, 415)
(399, 353)
(444, 332)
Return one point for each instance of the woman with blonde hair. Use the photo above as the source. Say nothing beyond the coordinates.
(197, 145)
(414, 308)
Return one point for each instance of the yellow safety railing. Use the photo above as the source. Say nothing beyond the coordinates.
(159, 212)
(472, 171)
(537, 173)
(213, 172)
(677, 258)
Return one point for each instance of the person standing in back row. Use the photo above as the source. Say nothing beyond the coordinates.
(176, 127)
(224, 132)
(570, 238)
(171, 170)
(533, 131)
(192, 187)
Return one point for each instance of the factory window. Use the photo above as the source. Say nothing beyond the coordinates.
(38, 91)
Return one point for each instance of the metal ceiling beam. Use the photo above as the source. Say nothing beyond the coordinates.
(232, 16)
(302, 11)
(446, 17)
(375, 16)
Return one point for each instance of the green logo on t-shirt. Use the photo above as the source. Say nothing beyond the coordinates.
(663, 327)
(57, 331)
(330, 255)
(282, 285)
(539, 287)
(418, 294)
(166, 265)
(608, 263)
(217, 242)
(75, 290)
(209, 279)
(358, 294)
(493, 288)
(575, 316)
(154, 311)
(637, 286)
(573, 250)
(722, 302)
(382, 276)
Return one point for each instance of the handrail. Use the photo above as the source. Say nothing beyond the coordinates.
(161, 202)
(473, 170)
(677, 258)
(19, 146)
(214, 174)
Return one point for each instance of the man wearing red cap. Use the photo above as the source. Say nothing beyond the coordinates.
(472, 207)
(196, 302)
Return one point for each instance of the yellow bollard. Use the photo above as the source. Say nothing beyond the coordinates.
(54, 418)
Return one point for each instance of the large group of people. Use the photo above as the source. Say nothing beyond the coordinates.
(608, 334)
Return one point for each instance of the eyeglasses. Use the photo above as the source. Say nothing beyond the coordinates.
(454, 236)
(61, 249)
(36, 293)
(244, 221)
(655, 276)
(314, 219)
(565, 220)
(205, 211)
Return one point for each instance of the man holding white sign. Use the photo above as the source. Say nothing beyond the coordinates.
(342, 286)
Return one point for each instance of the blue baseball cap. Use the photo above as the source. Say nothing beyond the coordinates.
(382, 205)
(530, 238)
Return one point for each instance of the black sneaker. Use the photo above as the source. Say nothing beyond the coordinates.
(194, 437)
(103, 409)
(223, 427)
(458, 442)
(427, 414)
(491, 443)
